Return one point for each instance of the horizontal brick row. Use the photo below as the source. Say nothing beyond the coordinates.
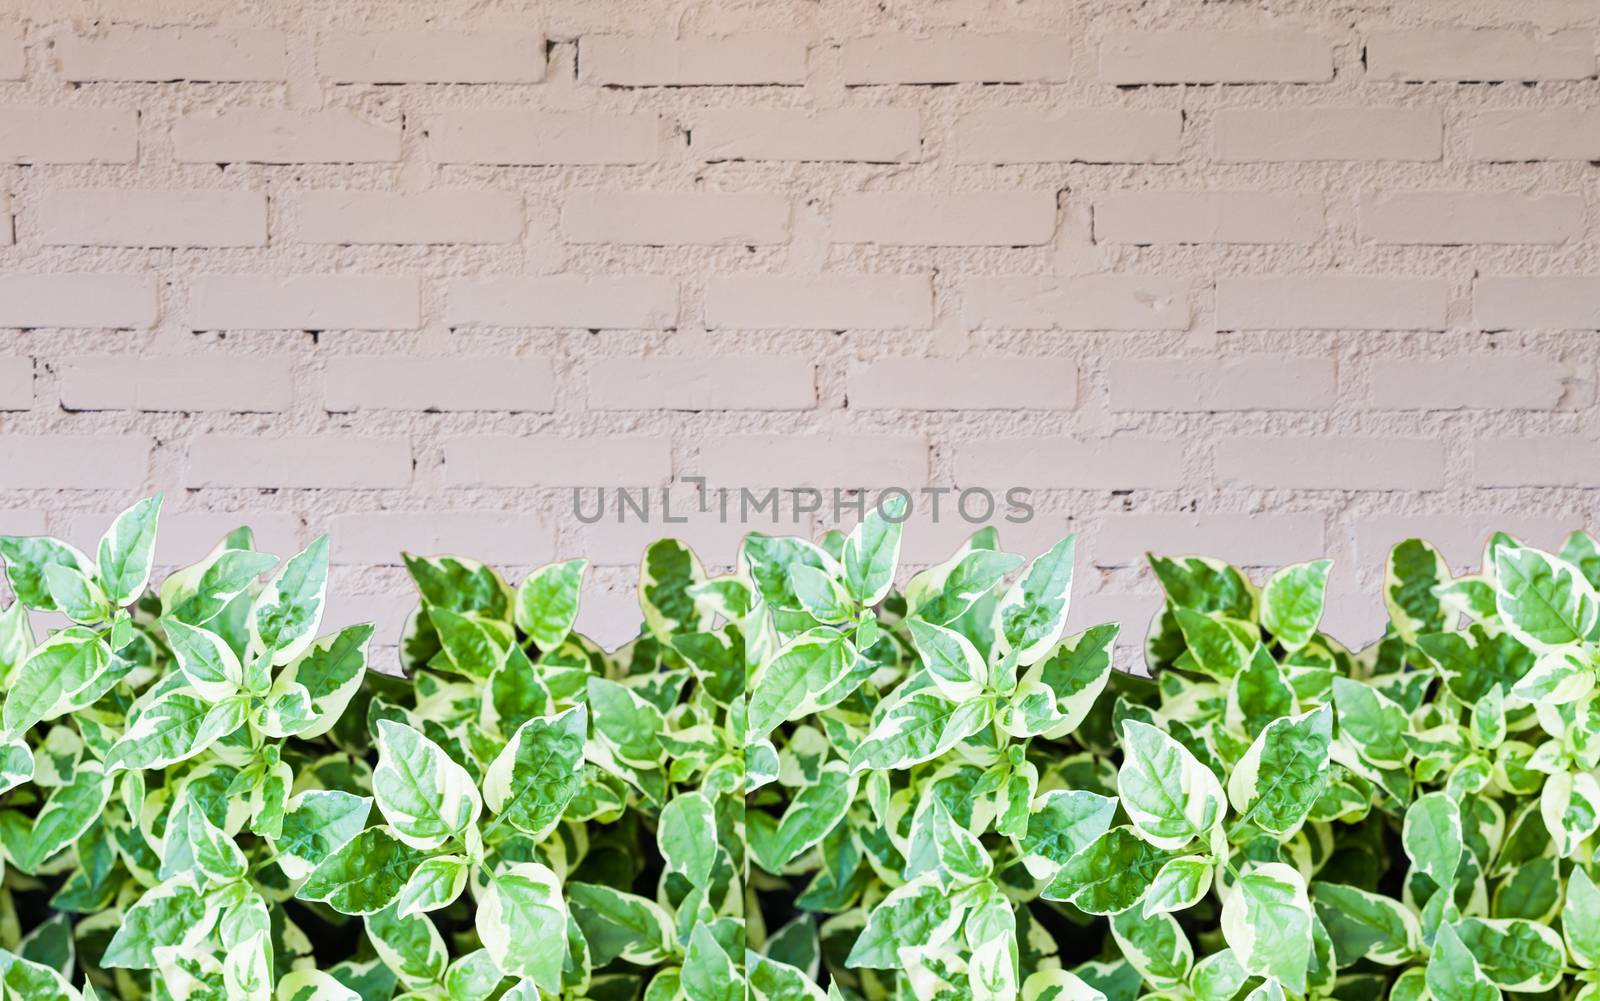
(1310, 133)
(256, 383)
(1298, 462)
(507, 55)
(800, 302)
(210, 218)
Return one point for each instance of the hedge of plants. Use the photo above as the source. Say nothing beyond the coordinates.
(798, 783)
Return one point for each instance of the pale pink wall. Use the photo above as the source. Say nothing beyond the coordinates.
(1269, 282)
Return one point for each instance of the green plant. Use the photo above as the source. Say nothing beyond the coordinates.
(798, 782)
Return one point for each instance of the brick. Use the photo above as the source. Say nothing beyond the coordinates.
(744, 58)
(1516, 136)
(975, 219)
(587, 461)
(1265, 135)
(1189, 55)
(423, 217)
(1551, 461)
(1257, 539)
(388, 612)
(1091, 302)
(77, 299)
(158, 55)
(73, 461)
(13, 54)
(608, 614)
(186, 537)
(17, 521)
(957, 57)
(940, 523)
(974, 383)
(1150, 217)
(430, 384)
(617, 533)
(1480, 382)
(153, 218)
(1082, 135)
(1120, 463)
(782, 461)
(1547, 302)
(305, 302)
(1331, 462)
(432, 56)
(869, 135)
(723, 382)
(820, 302)
(501, 538)
(1469, 217)
(1331, 302)
(667, 218)
(238, 383)
(534, 138)
(1354, 618)
(263, 135)
(1460, 538)
(1479, 54)
(311, 461)
(1261, 382)
(68, 135)
(626, 302)
(16, 382)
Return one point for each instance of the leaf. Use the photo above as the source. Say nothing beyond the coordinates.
(1156, 946)
(1432, 837)
(1267, 920)
(77, 596)
(1169, 795)
(1580, 921)
(26, 559)
(921, 727)
(284, 616)
(1291, 603)
(171, 914)
(793, 682)
(1544, 601)
(1284, 772)
(1031, 615)
(872, 551)
(823, 597)
(1063, 823)
(1414, 570)
(364, 875)
(531, 781)
(916, 914)
(621, 925)
(1365, 925)
(957, 669)
(547, 602)
(1453, 974)
(57, 669)
(427, 798)
(522, 921)
(687, 836)
(127, 551)
(213, 669)
(708, 971)
(436, 882)
(175, 727)
(1111, 874)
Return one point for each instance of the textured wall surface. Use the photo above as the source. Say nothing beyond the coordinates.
(1267, 281)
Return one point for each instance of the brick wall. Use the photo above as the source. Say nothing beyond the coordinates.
(1274, 282)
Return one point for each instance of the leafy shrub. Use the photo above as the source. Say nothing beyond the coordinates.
(798, 782)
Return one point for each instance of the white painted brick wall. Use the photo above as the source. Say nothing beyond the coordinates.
(1265, 281)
